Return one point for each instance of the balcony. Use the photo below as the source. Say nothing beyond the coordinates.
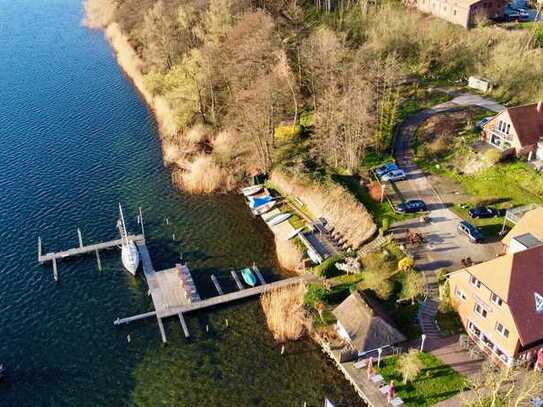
(500, 140)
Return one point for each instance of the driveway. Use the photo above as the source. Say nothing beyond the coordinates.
(444, 247)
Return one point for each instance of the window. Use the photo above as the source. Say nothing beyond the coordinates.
(460, 294)
(474, 282)
(502, 330)
(473, 328)
(504, 127)
(480, 310)
(496, 299)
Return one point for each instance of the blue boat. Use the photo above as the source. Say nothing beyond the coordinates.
(248, 277)
(256, 202)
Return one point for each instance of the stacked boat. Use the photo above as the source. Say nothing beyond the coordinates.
(259, 198)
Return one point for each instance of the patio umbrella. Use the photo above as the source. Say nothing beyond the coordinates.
(370, 367)
(391, 392)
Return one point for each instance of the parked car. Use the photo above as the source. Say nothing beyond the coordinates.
(483, 212)
(412, 206)
(396, 175)
(516, 14)
(473, 234)
(383, 169)
(481, 123)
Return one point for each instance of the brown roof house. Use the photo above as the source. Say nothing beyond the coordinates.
(463, 12)
(362, 327)
(500, 302)
(517, 131)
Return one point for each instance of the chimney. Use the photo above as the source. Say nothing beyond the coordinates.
(540, 106)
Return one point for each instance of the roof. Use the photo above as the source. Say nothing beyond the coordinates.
(528, 240)
(528, 123)
(518, 279)
(531, 222)
(367, 329)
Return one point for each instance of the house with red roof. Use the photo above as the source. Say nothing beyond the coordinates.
(517, 131)
(500, 302)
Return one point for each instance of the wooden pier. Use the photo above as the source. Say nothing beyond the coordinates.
(173, 291)
(55, 257)
(220, 299)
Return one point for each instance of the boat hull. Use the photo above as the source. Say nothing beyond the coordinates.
(248, 277)
(130, 257)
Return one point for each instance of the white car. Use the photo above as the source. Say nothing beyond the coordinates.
(396, 175)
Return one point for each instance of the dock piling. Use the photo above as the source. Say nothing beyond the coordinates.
(55, 271)
(98, 261)
(238, 282)
(259, 274)
(80, 237)
(217, 285)
(39, 248)
(184, 325)
(162, 331)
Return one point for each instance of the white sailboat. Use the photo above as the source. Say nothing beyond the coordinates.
(129, 252)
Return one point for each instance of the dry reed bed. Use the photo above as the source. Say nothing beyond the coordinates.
(289, 255)
(193, 170)
(285, 314)
(348, 216)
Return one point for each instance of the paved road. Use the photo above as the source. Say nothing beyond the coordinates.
(444, 247)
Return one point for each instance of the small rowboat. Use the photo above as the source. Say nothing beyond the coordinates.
(264, 208)
(251, 190)
(256, 202)
(248, 277)
(276, 220)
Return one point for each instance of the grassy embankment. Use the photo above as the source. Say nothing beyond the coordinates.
(435, 382)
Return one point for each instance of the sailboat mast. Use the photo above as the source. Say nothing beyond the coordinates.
(123, 226)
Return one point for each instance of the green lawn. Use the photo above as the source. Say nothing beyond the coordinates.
(436, 381)
(503, 186)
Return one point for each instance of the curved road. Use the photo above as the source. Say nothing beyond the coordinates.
(444, 248)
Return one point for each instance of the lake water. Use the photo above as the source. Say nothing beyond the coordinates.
(75, 140)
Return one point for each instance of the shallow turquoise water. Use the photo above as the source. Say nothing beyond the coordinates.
(77, 139)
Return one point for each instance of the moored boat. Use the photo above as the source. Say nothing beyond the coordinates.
(129, 252)
(248, 276)
(256, 202)
(248, 191)
(276, 220)
(264, 208)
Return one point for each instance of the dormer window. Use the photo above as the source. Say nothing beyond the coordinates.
(475, 282)
(496, 299)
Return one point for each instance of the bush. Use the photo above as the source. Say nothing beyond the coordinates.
(328, 267)
(316, 293)
(306, 119)
(286, 134)
(406, 264)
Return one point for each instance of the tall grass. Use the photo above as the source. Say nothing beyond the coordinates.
(289, 255)
(331, 201)
(203, 175)
(285, 314)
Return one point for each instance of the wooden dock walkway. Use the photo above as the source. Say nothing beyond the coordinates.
(221, 299)
(77, 251)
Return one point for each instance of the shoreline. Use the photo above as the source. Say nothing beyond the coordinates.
(130, 64)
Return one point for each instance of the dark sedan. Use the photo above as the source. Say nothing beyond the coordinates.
(483, 212)
(412, 206)
(473, 234)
